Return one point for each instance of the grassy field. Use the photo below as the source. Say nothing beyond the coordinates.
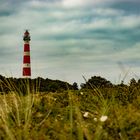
(70, 115)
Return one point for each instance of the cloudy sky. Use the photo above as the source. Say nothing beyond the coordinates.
(71, 38)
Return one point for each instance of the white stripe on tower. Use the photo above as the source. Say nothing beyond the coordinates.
(27, 65)
(26, 53)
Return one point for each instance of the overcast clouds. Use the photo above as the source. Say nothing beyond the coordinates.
(71, 38)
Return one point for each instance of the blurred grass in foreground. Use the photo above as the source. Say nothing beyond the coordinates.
(26, 114)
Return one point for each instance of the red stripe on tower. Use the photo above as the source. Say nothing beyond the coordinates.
(26, 56)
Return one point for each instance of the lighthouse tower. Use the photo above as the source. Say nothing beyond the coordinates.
(26, 56)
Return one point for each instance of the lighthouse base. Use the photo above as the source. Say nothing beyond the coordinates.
(27, 72)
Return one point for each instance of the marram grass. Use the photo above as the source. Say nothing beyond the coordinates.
(70, 115)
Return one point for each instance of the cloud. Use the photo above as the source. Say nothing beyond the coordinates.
(128, 54)
(77, 3)
(69, 38)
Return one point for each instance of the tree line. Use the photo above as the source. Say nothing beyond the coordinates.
(48, 85)
(36, 84)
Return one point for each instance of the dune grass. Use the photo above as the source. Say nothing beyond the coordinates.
(70, 115)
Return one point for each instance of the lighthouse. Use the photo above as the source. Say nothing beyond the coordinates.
(26, 56)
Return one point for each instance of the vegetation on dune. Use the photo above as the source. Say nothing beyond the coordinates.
(38, 84)
(98, 111)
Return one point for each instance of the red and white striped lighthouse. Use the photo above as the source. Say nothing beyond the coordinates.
(26, 56)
